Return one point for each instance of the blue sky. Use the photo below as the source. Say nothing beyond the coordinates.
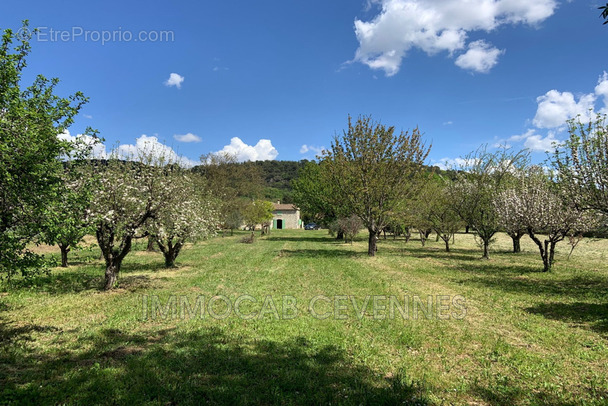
(276, 79)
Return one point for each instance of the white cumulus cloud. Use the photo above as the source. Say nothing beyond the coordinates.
(144, 145)
(86, 142)
(554, 108)
(311, 148)
(151, 146)
(174, 80)
(537, 142)
(480, 57)
(439, 26)
(187, 137)
(601, 90)
(454, 163)
(262, 151)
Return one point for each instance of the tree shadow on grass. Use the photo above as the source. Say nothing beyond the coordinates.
(593, 315)
(515, 281)
(11, 334)
(198, 367)
(455, 254)
(325, 239)
(155, 265)
(76, 281)
(508, 393)
(63, 282)
(321, 253)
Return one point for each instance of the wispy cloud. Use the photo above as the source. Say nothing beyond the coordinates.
(187, 137)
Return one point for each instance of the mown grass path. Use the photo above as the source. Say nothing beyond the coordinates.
(527, 337)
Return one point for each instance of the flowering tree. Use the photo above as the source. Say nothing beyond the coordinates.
(191, 213)
(130, 193)
(581, 165)
(482, 175)
(372, 169)
(536, 205)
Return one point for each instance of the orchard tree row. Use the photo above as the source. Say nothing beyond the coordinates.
(52, 192)
(378, 176)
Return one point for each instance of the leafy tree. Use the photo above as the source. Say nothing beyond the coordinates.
(481, 177)
(540, 208)
(228, 178)
(348, 227)
(257, 212)
(130, 194)
(67, 217)
(372, 169)
(581, 165)
(189, 214)
(441, 216)
(314, 194)
(234, 183)
(233, 220)
(30, 168)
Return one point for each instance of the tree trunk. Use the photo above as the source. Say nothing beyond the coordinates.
(170, 259)
(64, 254)
(422, 237)
(171, 251)
(516, 243)
(150, 247)
(371, 246)
(546, 250)
(112, 274)
(112, 256)
(447, 244)
(551, 254)
(486, 249)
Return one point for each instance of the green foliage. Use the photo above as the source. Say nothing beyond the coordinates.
(529, 338)
(257, 212)
(372, 170)
(313, 193)
(30, 168)
(67, 217)
(436, 210)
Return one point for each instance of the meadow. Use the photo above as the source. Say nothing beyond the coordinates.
(298, 318)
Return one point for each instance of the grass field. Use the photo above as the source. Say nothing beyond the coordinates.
(527, 337)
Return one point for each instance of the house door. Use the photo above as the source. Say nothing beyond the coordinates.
(279, 224)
